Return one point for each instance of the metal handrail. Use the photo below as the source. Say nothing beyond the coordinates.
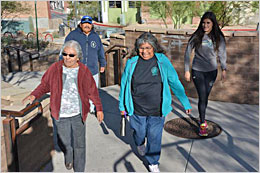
(18, 49)
(30, 53)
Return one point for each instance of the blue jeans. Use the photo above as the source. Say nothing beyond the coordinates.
(71, 131)
(150, 127)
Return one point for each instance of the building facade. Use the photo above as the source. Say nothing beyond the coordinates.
(49, 16)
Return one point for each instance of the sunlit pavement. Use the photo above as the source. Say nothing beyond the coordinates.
(236, 149)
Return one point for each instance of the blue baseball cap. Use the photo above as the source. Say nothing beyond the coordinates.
(86, 19)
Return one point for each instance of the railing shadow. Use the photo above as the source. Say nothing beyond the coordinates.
(229, 149)
(21, 139)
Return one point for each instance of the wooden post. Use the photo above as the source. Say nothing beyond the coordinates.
(119, 67)
(10, 144)
(19, 60)
(9, 60)
(107, 69)
(31, 61)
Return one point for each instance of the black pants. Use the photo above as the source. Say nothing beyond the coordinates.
(203, 82)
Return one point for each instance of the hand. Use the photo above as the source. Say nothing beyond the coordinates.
(188, 111)
(223, 76)
(187, 76)
(102, 69)
(100, 116)
(31, 98)
(122, 112)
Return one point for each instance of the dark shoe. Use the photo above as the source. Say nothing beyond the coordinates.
(69, 166)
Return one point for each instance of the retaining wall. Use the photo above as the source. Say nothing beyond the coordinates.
(242, 84)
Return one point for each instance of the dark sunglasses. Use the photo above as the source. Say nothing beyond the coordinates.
(70, 55)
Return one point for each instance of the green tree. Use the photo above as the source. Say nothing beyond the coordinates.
(231, 12)
(158, 9)
(179, 11)
(200, 7)
(227, 12)
(223, 12)
(255, 6)
(90, 8)
(14, 7)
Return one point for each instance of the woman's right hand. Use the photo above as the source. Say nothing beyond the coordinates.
(122, 112)
(187, 76)
(31, 98)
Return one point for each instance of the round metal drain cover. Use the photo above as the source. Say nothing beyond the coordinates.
(188, 127)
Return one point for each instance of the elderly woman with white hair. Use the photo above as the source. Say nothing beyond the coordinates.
(71, 85)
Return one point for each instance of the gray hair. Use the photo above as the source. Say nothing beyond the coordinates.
(147, 38)
(75, 45)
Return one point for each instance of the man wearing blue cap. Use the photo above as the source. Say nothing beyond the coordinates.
(92, 48)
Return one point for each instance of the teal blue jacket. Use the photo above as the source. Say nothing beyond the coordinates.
(169, 78)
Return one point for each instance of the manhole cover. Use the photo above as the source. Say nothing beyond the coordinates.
(188, 127)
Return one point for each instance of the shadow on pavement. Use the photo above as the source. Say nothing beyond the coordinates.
(112, 119)
(229, 148)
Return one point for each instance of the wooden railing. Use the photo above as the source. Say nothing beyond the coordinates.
(12, 129)
(122, 51)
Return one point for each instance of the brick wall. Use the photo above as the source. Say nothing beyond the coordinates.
(42, 10)
(242, 84)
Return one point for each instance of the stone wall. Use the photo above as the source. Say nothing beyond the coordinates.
(242, 84)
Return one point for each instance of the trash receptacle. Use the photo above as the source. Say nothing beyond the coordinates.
(61, 30)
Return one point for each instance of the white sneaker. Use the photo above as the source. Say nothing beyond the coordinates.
(141, 149)
(154, 168)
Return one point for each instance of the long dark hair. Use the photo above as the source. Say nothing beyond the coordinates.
(147, 38)
(214, 35)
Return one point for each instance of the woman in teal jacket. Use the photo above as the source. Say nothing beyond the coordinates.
(146, 97)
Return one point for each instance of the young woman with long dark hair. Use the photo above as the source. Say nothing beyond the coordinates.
(209, 44)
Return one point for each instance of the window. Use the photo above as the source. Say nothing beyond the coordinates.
(114, 4)
(134, 4)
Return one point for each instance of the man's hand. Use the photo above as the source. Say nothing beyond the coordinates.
(187, 76)
(31, 98)
(102, 69)
(100, 116)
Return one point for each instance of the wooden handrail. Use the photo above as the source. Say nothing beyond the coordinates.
(11, 131)
(120, 46)
(6, 113)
